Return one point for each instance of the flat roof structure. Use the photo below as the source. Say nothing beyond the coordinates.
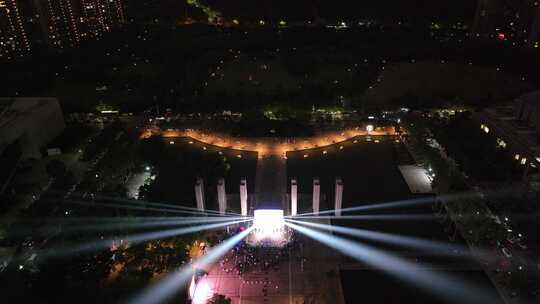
(33, 121)
(417, 178)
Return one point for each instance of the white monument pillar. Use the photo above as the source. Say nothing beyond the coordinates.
(199, 194)
(222, 196)
(294, 197)
(243, 197)
(316, 195)
(338, 201)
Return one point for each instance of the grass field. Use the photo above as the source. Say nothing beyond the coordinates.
(321, 82)
(434, 84)
(184, 160)
(239, 168)
(368, 169)
(442, 82)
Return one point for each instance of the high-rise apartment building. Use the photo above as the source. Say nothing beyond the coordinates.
(14, 42)
(100, 16)
(60, 22)
(56, 24)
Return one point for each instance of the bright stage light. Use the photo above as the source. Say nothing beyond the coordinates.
(268, 228)
(268, 221)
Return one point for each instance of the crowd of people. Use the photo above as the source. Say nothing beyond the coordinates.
(261, 256)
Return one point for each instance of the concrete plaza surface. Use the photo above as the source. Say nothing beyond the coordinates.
(308, 274)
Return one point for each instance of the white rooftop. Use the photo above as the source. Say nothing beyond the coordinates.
(417, 178)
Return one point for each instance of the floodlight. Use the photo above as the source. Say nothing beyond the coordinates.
(268, 220)
(268, 228)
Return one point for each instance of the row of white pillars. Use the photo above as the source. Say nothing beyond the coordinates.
(243, 197)
(316, 195)
(338, 199)
(199, 194)
(222, 196)
(294, 197)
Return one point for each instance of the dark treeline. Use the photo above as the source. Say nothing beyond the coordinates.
(333, 10)
(183, 56)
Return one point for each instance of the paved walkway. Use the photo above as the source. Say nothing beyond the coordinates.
(309, 274)
(269, 145)
(271, 183)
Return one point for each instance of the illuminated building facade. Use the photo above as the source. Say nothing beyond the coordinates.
(513, 20)
(14, 42)
(100, 16)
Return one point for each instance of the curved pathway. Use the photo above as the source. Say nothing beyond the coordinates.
(270, 146)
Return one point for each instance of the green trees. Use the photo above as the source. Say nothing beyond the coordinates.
(62, 177)
(220, 299)
(56, 168)
(300, 64)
